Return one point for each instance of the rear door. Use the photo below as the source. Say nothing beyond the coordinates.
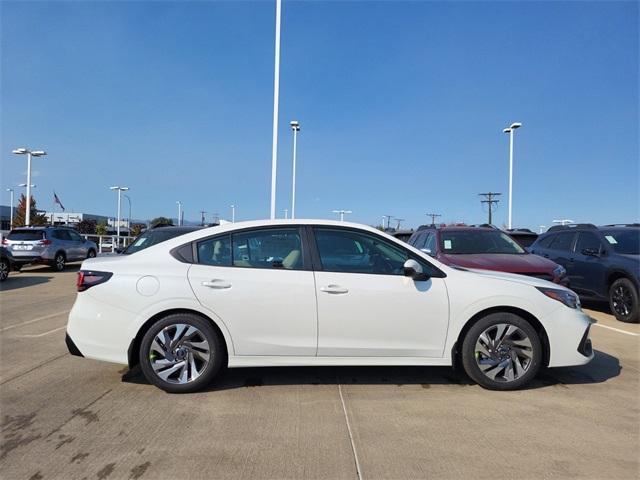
(77, 245)
(260, 283)
(561, 250)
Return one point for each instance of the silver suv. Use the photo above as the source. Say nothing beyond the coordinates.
(54, 246)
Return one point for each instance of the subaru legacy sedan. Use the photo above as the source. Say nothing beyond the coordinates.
(316, 292)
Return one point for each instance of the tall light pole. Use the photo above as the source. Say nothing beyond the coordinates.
(10, 190)
(276, 92)
(341, 213)
(179, 203)
(233, 213)
(129, 221)
(564, 221)
(120, 190)
(29, 154)
(295, 126)
(510, 130)
(387, 219)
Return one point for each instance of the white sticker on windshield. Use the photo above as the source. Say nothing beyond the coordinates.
(610, 239)
(447, 244)
(140, 242)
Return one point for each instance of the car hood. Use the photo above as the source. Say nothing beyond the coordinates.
(524, 263)
(513, 277)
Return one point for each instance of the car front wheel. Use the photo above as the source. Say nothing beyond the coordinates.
(623, 300)
(502, 351)
(181, 353)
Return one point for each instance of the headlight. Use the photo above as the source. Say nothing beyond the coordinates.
(566, 297)
(559, 271)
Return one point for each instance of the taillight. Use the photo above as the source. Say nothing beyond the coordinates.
(44, 242)
(87, 279)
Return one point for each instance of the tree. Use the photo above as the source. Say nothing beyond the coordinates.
(87, 226)
(161, 221)
(19, 219)
(101, 228)
(136, 229)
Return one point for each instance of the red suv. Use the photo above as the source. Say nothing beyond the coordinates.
(484, 248)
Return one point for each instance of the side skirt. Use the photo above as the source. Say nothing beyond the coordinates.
(286, 361)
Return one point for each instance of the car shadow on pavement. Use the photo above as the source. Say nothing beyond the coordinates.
(602, 368)
(22, 280)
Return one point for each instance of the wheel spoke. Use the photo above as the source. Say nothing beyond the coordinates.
(503, 352)
(165, 373)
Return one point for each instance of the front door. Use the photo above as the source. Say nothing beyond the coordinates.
(367, 307)
(257, 282)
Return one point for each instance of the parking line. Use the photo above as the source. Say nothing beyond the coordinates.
(39, 319)
(42, 334)
(617, 330)
(353, 445)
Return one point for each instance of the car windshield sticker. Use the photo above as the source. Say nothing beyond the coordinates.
(610, 239)
(447, 244)
(140, 242)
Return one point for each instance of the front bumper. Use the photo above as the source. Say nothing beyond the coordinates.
(569, 342)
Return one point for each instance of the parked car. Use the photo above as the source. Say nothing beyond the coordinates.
(523, 236)
(156, 235)
(289, 293)
(6, 263)
(602, 263)
(485, 248)
(54, 246)
(402, 234)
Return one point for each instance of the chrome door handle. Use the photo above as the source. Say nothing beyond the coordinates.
(216, 283)
(335, 289)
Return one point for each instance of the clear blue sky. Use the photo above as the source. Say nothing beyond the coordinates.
(402, 107)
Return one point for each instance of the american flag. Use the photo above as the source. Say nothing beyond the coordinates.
(57, 200)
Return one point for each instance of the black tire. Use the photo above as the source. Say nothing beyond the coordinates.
(217, 353)
(623, 301)
(59, 262)
(91, 253)
(5, 268)
(17, 267)
(487, 324)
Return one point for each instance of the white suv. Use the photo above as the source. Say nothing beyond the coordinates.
(302, 293)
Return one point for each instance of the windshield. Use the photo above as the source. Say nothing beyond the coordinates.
(28, 235)
(625, 242)
(478, 241)
(152, 237)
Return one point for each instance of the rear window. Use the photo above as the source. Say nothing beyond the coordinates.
(25, 235)
(153, 237)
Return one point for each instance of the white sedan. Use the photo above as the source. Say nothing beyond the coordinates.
(316, 292)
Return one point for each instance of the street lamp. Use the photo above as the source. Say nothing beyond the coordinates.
(386, 218)
(233, 213)
(276, 91)
(510, 130)
(10, 190)
(341, 213)
(564, 221)
(179, 203)
(295, 126)
(120, 190)
(29, 154)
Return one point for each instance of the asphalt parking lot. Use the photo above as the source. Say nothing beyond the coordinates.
(64, 417)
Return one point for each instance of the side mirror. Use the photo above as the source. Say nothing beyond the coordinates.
(414, 270)
(591, 252)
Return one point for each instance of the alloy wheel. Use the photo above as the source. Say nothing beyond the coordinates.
(622, 300)
(503, 352)
(179, 353)
(4, 270)
(59, 262)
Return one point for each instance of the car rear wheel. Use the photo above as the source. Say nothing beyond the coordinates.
(623, 300)
(4, 269)
(181, 353)
(502, 351)
(91, 253)
(59, 262)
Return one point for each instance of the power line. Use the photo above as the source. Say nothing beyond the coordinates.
(433, 217)
(490, 201)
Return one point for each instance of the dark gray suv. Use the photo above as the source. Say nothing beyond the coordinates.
(602, 263)
(54, 246)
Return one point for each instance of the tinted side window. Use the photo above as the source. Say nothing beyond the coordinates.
(75, 237)
(215, 251)
(545, 242)
(418, 242)
(563, 241)
(268, 248)
(356, 252)
(588, 240)
(431, 243)
(61, 235)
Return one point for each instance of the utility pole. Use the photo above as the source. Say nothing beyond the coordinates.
(202, 212)
(399, 220)
(433, 217)
(386, 218)
(490, 201)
